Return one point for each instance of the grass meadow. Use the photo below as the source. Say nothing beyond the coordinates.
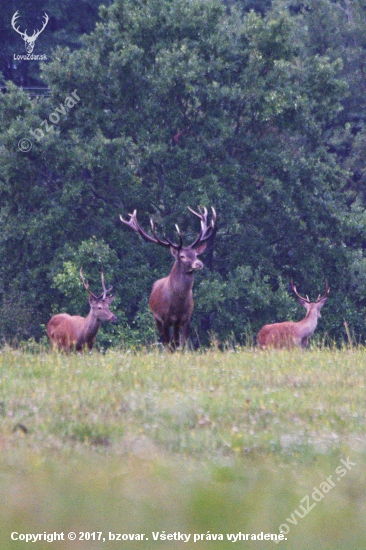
(200, 444)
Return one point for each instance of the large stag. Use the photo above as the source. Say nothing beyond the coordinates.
(171, 299)
(67, 332)
(290, 334)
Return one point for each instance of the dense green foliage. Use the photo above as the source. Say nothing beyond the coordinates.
(259, 113)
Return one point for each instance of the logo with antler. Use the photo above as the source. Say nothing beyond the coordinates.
(29, 40)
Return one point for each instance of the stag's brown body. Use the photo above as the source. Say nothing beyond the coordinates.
(72, 331)
(290, 334)
(67, 332)
(171, 299)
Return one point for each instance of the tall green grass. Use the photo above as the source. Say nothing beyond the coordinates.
(187, 442)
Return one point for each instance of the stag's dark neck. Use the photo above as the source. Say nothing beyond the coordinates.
(91, 326)
(181, 280)
(309, 323)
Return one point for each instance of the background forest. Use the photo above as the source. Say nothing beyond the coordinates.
(255, 107)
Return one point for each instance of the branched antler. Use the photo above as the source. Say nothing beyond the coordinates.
(86, 285)
(307, 300)
(206, 230)
(204, 234)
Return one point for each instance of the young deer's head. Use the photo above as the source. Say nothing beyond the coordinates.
(99, 305)
(312, 307)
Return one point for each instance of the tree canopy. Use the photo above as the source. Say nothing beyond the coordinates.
(256, 108)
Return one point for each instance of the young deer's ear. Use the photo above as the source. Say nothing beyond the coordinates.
(304, 303)
(92, 299)
(322, 301)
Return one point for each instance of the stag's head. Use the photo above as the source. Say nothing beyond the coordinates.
(29, 40)
(185, 256)
(100, 304)
(308, 304)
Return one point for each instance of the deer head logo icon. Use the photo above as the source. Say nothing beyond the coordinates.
(29, 40)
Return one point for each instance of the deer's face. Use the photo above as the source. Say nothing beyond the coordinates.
(101, 309)
(187, 258)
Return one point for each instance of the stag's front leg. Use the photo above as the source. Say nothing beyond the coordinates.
(164, 332)
(91, 344)
(304, 342)
(176, 337)
(184, 333)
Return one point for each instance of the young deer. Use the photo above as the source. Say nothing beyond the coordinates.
(67, 332)
(171, 299)
(290, 334)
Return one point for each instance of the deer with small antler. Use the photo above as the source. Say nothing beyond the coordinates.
(290, 334)
(67, 332)
(171, 299)
(29, 40)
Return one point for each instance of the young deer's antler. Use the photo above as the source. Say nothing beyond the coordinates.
(86, 285)
(307, 300)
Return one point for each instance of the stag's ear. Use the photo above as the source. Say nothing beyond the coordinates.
(322, 301)
(92, 299)
(109, 299)
(304, 303)
(200, 249)
(174, 252)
